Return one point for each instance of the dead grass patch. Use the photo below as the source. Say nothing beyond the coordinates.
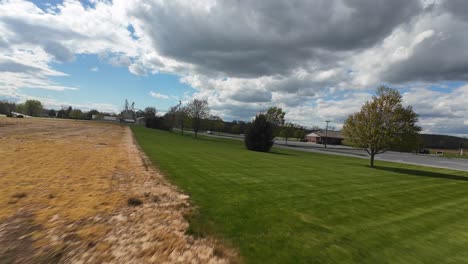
(72, 179)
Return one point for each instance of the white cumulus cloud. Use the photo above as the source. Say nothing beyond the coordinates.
(158, 95)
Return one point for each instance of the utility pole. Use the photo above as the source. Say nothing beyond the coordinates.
(133, 112)
(181, 116)
(326, 134)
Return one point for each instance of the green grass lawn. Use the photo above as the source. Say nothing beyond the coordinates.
(455, 156)
(451, 153)
(298, 207)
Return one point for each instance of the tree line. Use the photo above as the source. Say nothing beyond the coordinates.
(35, 108)
(443, 141)
(195, 115)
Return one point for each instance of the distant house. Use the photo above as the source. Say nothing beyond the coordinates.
(321, 137)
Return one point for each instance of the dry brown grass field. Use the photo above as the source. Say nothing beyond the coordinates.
(64, 193)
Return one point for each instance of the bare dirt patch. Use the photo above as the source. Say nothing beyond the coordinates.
(82, 192)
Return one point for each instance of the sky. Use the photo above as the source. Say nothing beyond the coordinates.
(317, 59)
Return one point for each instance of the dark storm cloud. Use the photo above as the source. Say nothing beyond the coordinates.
(442, 57)
(302, 87)
(254, 38)
(251, 96)
(457, 7)
(234, 112)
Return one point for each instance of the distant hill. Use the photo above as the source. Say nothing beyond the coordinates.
(443, 141)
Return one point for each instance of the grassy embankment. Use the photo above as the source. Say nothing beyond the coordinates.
(297, 207)
(451, 153)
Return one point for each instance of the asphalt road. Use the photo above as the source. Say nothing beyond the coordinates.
(400, 157)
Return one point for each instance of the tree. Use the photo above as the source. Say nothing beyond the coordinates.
(76, 114)
(172, 114)
(68, 111)
(235, 129)
(299, 134)
(198, 109)
(409, 143)
(89, 115)
(259, 136)
(218, 125)
(382, 123)
(150, 112)
(182, 118)
(20, 108)
(31, 108)
(168, 121)
(158, 122)
(7, 107)
(62, 114)
(214, 123)
(275, 116)
(51, 113)
(151, 119)
(287, 131)
(4, 109)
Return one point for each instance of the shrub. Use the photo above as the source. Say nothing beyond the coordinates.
(259, 135)
(134, 201)
(158, 122)
(19, 195)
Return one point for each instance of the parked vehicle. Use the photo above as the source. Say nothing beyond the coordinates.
(424, 151)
